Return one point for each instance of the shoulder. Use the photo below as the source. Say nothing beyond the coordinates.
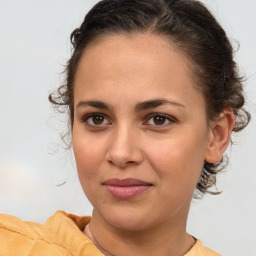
(13, 224)
(26, 238)
(60, 235)
(199, 250)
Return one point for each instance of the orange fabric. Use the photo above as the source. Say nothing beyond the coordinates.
(61, 235)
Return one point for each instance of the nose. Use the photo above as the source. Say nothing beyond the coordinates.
(125, 148)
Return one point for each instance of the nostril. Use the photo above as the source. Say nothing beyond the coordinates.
(123, 164)
(132, 163)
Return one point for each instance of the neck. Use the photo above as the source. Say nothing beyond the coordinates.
(166, 239)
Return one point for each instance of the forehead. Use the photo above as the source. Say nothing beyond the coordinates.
(147, 63)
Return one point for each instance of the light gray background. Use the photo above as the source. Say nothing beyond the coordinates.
(34, 44)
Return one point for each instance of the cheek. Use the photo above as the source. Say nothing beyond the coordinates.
(178, 162)
(89, 154)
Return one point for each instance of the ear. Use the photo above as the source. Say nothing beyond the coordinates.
(220, 132)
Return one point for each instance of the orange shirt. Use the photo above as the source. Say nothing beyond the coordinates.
(61, 235)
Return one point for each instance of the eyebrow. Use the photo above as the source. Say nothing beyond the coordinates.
(93, 103)
(155, 103)
(139, 107)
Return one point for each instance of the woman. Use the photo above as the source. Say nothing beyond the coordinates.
(153, 96)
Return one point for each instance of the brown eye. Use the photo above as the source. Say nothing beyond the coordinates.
(159, 120)
(96, 120)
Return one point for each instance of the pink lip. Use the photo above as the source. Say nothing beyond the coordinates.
(127, 188)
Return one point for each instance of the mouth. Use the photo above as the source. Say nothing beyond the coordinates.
(126, 188)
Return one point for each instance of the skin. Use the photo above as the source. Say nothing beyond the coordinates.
(123, 71)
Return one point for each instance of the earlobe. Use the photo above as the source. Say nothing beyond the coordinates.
(220, 133)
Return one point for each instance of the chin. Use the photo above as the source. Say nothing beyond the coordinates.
(128, 219)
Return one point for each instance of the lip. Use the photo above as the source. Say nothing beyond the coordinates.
(126, 188)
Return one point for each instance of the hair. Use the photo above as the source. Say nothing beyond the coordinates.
(193, 30)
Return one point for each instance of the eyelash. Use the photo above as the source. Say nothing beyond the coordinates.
(87, 117)
(168, 118)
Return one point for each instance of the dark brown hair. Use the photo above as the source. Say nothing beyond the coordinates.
(193, 30)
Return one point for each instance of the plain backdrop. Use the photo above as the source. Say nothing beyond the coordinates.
(34, 46)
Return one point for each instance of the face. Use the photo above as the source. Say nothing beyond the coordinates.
(140, 133)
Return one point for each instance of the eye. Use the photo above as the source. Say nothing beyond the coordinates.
(96, 119)
(160, 120)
